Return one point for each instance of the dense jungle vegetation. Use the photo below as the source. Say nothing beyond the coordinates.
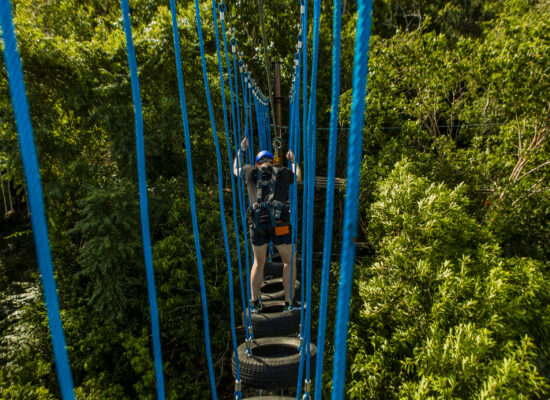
(451, 286)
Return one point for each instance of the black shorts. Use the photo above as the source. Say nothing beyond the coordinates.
(263, 234)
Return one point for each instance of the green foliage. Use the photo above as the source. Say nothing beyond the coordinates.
(110, 252)
(25, 353)
(440, 313)
(453, 303)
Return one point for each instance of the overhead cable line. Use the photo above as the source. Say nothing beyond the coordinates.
(396, 128)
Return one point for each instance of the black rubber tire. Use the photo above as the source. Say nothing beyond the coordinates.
(273, 321)
(273, 364)
(272, 289)
(270, 398)
(273, 269)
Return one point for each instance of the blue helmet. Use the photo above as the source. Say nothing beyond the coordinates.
(262, 154)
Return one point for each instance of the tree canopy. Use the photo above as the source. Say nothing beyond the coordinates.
(453, 266)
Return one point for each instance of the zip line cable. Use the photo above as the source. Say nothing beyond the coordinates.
(36, 203)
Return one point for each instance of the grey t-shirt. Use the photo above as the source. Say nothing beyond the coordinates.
(285, 177)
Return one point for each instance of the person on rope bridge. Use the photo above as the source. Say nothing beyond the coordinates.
(268, 215)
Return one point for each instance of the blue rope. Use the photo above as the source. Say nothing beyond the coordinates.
(244, 83)
(34, 186)
(261, 141)
(244, 80)
(303, 6)
(266, 123)
(143, 202)
(355, 143)
(311, 138)
(250, 122)
(214, 133)
(192, 190)
(236, 144)
(242, 198)
(230, 157)
(329, 208)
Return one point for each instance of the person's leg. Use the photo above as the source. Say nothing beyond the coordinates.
(285, 250)
(257, 273)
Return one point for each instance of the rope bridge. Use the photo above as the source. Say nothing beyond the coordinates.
(243, 92)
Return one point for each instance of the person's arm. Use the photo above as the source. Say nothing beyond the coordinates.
(297, 172)
(236, 170)
(295, 168)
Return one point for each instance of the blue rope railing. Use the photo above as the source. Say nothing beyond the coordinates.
(355, 144)
(191, 186)
(232, 180)
(143, 201)
(34, 187)
(239, 183)
(329, 207)
(312, 141)
(303, 8)
(242, 196)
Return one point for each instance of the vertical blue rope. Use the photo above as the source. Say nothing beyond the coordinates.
(192, 189)
(213, 125)
(312, 133)
(242, 198)
(236, 144)
(329, 208)
(230, 157)
(250, 122)
(143, 201)
(244, 82)
(266, 119)
(355, 143)
(36, 204)
(303, 6)
(311, 137)
(261, 140)
(248, 135)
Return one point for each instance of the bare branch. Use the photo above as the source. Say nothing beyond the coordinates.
(534, 169)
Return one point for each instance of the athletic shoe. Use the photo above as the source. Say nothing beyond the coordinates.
(256, 307)
(288, 307)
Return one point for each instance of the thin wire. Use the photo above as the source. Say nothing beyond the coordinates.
(396, 128)
(38, 217)
(355, 144)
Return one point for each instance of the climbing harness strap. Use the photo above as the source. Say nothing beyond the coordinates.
(274, 207)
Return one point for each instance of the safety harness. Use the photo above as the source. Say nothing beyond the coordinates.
(273, 206)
